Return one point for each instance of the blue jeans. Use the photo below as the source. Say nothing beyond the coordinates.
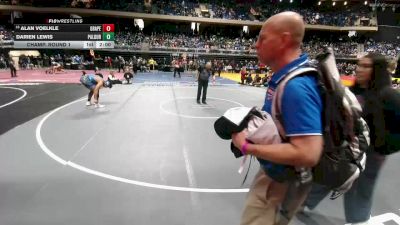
(358, 200)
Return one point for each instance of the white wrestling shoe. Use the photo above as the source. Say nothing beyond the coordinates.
(88, 103)
(99, 105)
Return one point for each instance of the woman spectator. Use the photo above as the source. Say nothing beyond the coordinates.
(381, 110)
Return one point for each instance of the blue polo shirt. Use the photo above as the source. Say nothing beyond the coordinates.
(301, 108)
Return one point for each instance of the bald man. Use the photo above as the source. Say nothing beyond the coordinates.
(276, 193)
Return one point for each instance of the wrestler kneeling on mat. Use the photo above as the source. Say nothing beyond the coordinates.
(94, 83)
(55, 67)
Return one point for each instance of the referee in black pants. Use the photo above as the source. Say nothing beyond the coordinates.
(203, 76)
(12, 68)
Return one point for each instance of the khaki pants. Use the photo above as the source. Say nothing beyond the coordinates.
(272, 203)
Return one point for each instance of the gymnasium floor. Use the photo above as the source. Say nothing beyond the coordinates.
(151, 156)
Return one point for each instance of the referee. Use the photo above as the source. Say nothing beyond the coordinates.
(12, 68)
(203, 76)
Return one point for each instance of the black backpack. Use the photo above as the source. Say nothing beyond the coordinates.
(345, 133)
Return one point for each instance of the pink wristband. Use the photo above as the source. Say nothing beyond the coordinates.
(244, 148)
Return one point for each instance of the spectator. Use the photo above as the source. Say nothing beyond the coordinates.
(128, 76)
(177, 67)
(384, 48)
(249, 79)
(257, 80)
(113, 79)
(381, 110)
(121, 63)
(243, 74)
(278, 46)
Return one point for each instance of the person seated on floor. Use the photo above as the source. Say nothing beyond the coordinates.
(249, 79)
(143, 66)
(128, 75)
(113, 79)
(265, 80)
(257, 80)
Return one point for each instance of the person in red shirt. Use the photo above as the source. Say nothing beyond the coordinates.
(243, 74)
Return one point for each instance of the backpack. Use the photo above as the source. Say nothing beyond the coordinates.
(345, 133)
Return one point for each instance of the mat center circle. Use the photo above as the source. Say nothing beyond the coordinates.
(188, 107)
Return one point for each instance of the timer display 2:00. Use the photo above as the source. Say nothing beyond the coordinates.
(104, 44)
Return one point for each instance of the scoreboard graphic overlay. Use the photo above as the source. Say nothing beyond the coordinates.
(57, 34)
